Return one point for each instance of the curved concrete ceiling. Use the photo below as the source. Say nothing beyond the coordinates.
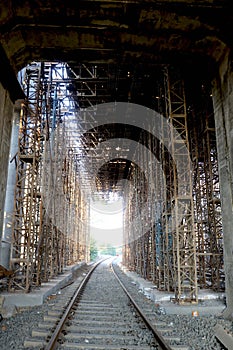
(114, 31)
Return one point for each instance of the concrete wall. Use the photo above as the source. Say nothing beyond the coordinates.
(223, 110)
(6, 114)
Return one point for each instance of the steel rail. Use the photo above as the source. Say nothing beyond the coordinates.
(53, 340)
(158, 336)
(51, 345)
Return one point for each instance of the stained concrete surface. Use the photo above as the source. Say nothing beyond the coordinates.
(37, 297)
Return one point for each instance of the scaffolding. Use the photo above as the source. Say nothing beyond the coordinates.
(166, 252)
(206, 194)
(27, 209)
(172, 217)
(49, 210)
(183, 234)
(182, 250)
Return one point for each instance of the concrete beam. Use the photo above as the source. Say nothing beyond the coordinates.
(134, 29)
(8, 78)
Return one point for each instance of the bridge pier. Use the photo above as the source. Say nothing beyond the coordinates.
(10, 91)
(6, 113)
(223, 112)
(10, 190)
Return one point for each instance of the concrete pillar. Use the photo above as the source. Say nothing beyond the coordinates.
(5, 244)
(10, 91)
(6, 114)
(223, 111)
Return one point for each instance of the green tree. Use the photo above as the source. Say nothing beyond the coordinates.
(108, 250)
(93, 249)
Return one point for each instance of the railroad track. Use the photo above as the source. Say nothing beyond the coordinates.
(103, 315)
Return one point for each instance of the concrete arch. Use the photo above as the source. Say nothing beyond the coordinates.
(103, 31)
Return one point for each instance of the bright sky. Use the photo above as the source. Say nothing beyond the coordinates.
(106, 221)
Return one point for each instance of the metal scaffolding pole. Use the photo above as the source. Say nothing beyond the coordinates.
(46, 206)
(167, 162)
(27, 210)
(207, 206)
(183, 234)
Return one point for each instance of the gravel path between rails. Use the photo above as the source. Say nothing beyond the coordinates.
(118, 324)
(197, 332)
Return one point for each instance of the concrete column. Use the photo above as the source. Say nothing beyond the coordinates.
(10, 190)
(6, 114)
(223, 111)
(10, 91)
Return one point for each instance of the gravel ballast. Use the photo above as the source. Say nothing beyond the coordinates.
(196, 332)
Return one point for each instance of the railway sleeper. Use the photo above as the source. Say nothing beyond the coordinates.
(73, 346)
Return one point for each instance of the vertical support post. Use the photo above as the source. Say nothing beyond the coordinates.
(183, 235)
(26, 219)
(10, 190)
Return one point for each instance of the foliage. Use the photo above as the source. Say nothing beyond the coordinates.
(93, 249)
(107, 250)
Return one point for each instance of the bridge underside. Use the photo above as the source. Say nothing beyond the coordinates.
(141, 108)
